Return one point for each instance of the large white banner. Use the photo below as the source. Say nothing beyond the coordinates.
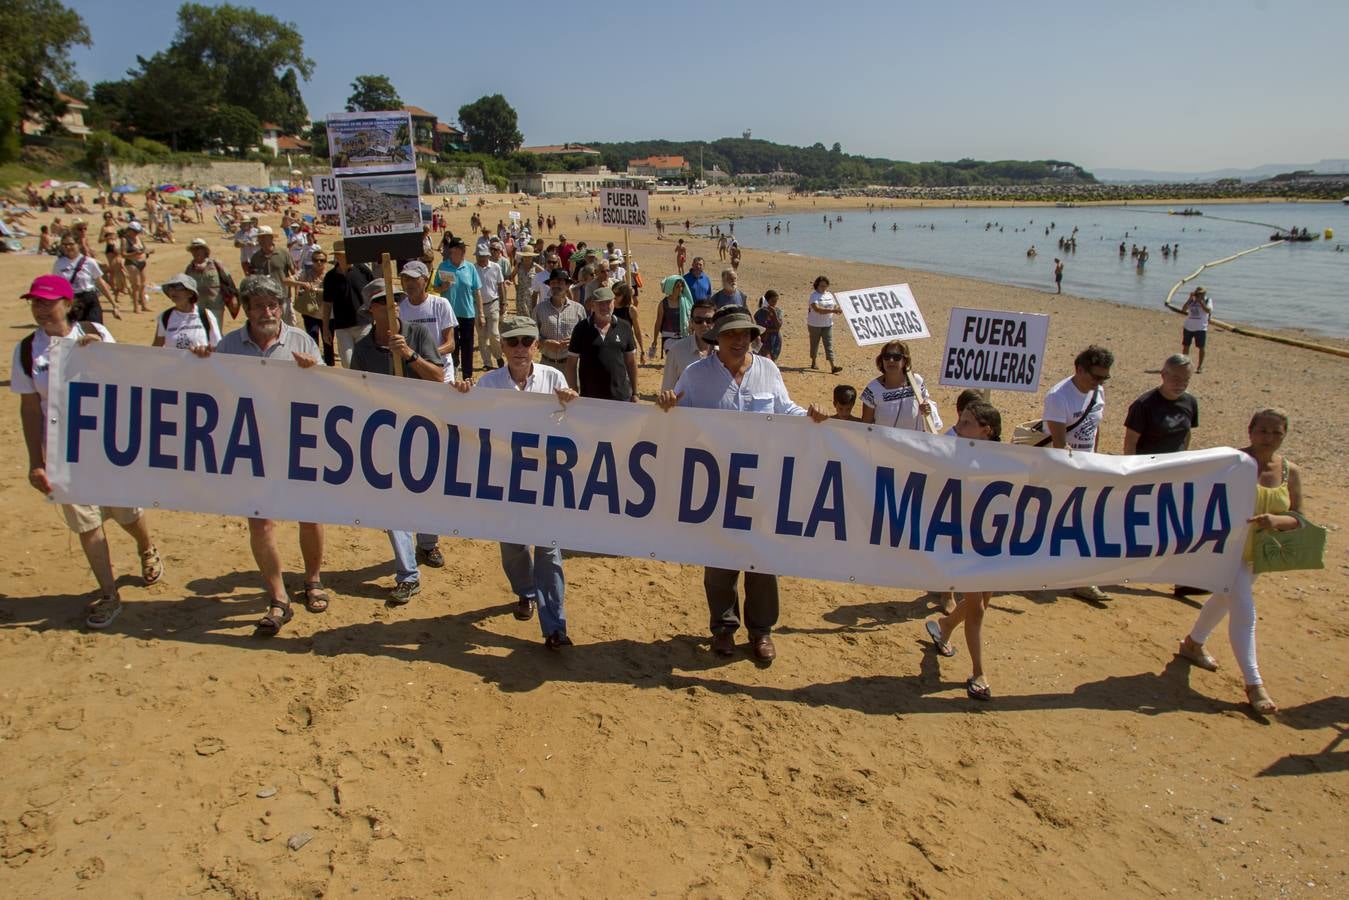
(879, 315)
(838, 501)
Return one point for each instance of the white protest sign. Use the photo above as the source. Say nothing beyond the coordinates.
(624, 208)
(325, 195)
(988, 348)
(515, 215)
(881, 314)
(134, 426)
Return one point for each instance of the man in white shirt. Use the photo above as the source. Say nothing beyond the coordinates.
(735, 379)
(1198, 310)
(1072, 413)
(684, 352)
(246, 239)
(431, 311)
(489, 334)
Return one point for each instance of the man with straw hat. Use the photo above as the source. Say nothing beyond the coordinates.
(733, 378)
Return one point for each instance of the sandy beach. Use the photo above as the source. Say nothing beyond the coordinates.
(439, 750)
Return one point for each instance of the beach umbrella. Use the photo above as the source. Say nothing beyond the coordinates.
(217, 188)
(273, 189)
(295, 190)
(296, 172)
(178, 199)
(257, 190)
(186, 193)
(167, 188)
(78, 185)
(125, 189)
(234, 187)
(50, 183)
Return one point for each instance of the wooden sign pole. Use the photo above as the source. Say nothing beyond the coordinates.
(929, 420)
(391, 305)
(627, 259)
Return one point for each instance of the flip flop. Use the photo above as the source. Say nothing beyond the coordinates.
(978, 691)
(942, 647)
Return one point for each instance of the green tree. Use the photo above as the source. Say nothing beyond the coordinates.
(170, 99)
(236, 127)
(35, 44)
(373, 92)
(491, 126)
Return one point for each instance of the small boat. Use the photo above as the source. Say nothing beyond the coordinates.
(1295, 235)
(1345, 200)
(1189, 212)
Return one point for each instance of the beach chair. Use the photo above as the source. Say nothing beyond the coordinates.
(224, 226)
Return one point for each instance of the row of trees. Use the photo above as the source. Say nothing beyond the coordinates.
(819, 168)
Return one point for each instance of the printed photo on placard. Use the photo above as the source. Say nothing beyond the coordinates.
(367, 142)
(380, 204)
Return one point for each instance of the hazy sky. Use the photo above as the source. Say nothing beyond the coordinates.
(1156, 85)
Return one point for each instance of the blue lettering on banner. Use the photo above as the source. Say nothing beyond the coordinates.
(161, 428)
(301, 441)
(946, 517)
(560, 458)
(1068, 525)
(244, 442)
(1134, 518)
(78, 392)
(785, 524)
(346, 461)
(1104, 549)
(380, 418)
(520, 464)
(1043, 498)
(982, 545)
(1169, 517)
(485, 490)
(1217, 521)
(698, 459)
(828, 505)
(122, 458)
(453, 486)
(911, 502)
(201, 415)
(418, 484)
(602, 480)
(642, 508)
(737, 491)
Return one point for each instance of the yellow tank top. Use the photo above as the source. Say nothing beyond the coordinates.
(1273, 500)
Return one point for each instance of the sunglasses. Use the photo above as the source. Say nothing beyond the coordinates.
(518, 341)
(703, 320)
(893, 357)
(1100, 377)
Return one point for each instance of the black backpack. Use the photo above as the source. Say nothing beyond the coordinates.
(201, 314)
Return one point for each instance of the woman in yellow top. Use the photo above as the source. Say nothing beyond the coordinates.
(1278, 491)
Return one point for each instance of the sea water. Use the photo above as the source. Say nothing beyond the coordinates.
(1299, 285)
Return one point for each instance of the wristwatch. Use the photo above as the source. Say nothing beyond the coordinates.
(413, 358)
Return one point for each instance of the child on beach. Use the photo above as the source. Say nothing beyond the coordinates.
(769, 318)
(979, 421)
(681, 254)
(967, 396)
(845, 399)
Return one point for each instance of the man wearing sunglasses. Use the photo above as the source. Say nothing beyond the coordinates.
(537, 581)
(1073, 411)
(602, 353)
(684, 352)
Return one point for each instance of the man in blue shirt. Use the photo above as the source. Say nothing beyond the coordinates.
(459, 283)
(700, 286)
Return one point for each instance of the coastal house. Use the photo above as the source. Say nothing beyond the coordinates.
(72, 121)
(561, 150)
(282, 144)
(553, 184)
(430, 136)
(660, 167)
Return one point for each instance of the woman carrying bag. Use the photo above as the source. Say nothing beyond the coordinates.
(1278, 494)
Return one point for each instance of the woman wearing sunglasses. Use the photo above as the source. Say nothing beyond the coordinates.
(889, 399)
(537, 582)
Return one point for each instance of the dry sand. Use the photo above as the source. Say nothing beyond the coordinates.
(438, 749)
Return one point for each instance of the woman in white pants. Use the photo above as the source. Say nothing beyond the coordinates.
(1278, 492)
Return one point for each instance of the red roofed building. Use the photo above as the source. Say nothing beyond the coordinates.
(659, 167)
(72, 121)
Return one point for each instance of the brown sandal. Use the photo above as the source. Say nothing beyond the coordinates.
(269, 625)
(152, 567)
(1260, 700)
(1196, 654)
(315, 597)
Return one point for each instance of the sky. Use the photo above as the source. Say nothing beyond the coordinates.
(1177, 86)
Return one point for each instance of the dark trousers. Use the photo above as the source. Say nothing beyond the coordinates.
(463, 345)
(314, 328)
(723, 602)
(87, 307)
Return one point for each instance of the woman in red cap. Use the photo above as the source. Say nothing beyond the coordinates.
(50, 299)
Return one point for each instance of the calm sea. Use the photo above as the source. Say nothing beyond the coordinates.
(1303, 285)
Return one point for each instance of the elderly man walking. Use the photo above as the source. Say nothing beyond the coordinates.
(732, 378)
(264, 335)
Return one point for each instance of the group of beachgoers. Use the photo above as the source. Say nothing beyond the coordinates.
(574, 332)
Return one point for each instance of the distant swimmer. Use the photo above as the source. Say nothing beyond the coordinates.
(1058, 275)
(1122, 250)
(1030, 254)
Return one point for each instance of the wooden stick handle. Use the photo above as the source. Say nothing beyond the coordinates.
(391, 306)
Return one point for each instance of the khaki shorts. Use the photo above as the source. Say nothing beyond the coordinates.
(83, 519)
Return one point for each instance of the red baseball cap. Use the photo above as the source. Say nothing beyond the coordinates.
(50, 287)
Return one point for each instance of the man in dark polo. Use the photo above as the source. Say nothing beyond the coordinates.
(602, 355)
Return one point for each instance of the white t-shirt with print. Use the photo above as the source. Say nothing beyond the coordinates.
(1196, 317)
(435, 315)
(185, 330)
(21, 383)
(1064, 404)
(492, 278)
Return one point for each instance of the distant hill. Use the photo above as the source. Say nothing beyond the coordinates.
(820, 168)
(1149, 176)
